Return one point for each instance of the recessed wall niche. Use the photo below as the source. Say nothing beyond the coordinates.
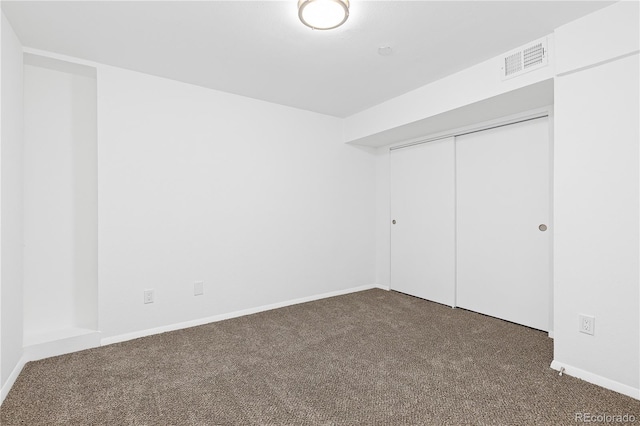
(60, 200)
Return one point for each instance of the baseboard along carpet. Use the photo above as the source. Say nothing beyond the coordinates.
(373, 357)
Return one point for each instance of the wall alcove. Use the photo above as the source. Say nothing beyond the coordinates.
(60, 203)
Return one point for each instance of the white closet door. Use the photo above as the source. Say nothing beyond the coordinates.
(423, 208)
(503, 258)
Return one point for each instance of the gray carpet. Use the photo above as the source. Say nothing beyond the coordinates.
(373, 357)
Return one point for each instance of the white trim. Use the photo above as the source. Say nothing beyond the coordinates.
(12, 378)
(477, 127)
(63, 346)
(551, 220)
(550, 333)
(455, 222)
(38, 338)
(221, 317)
(596, 379)
(65, 58)
(597, 64)
(382, 287)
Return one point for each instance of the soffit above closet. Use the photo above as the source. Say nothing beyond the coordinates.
(499, 107)
(261, 50)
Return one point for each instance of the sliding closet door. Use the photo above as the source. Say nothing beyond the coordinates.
(503, 245)
(423, 221)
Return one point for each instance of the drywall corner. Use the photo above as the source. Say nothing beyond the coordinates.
(11, 203)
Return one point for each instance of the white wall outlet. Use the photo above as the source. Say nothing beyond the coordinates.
(148, 296)
(198, 288)
(587, 324)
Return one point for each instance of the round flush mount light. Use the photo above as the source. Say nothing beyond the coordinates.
(323, 14)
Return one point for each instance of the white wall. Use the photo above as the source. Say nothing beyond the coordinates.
(597, 198)
(606, 34)
(60, 202)
(383, 217)
(263, 203)
(2, 381)
(11, 205)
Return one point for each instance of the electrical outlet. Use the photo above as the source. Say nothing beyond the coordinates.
(198, 288)
(586, 324)
(148, 296)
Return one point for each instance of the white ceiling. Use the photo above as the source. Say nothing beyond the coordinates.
(261, 50)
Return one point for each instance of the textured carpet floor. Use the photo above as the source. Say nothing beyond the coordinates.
(373, 357)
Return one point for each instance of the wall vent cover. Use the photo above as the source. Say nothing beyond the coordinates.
(524, 59)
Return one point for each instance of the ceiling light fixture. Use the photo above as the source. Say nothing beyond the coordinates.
(323, 14)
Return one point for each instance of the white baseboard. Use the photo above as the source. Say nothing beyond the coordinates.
(596, 379)
(12, 378)
(383, 287)
(47, 350)
(201, 321)
(61, 346)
